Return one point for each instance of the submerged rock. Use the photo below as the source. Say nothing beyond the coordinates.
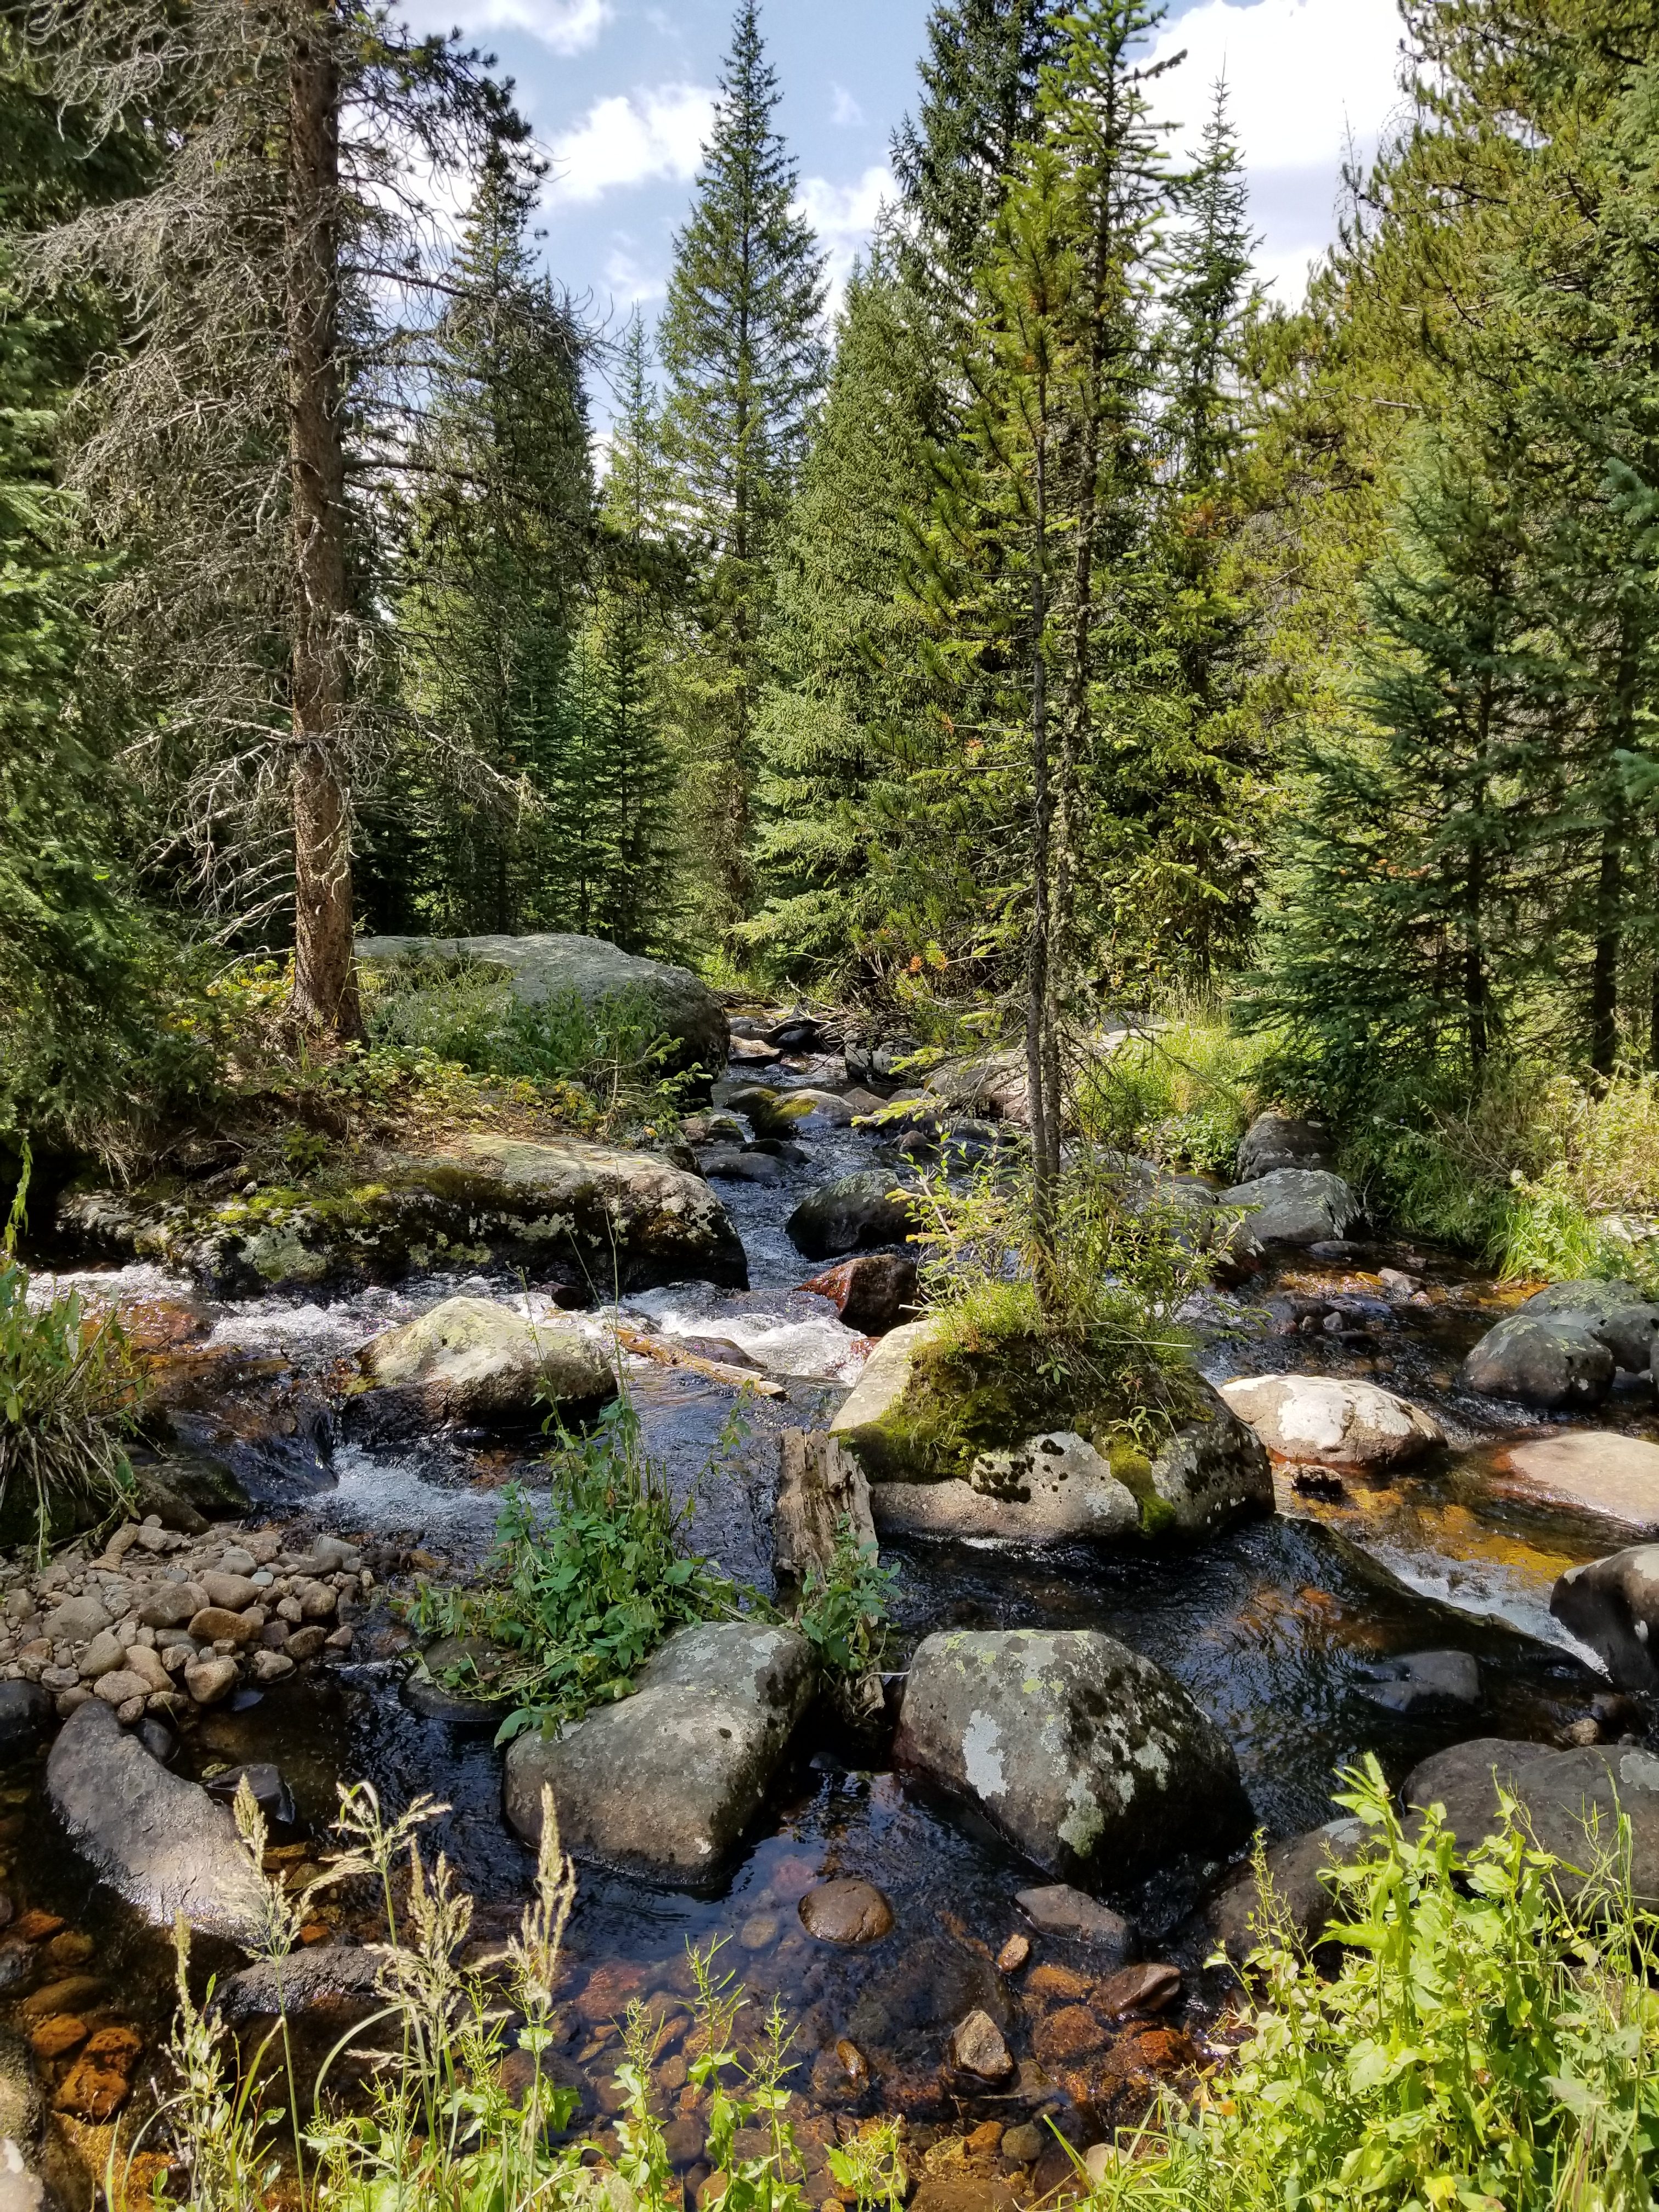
(849, 1912)
(858, 1210)
(1092, 1760)
(1059, 1909)
(1548, 1360)
(26, 1717)
(1612, 1605)
(159, 1841)
(666, 1782)
(1426, 1682)
(472, 1362)
(1277, 1140)
(1331, 1422)
(322, 1974)
(601, 1217)
(1296, 1206)
(1595, 1470)
(1572, 1801)
(547, 965)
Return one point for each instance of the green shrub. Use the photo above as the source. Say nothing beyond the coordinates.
(1182, 1094)
(843, 1613)
(585, 1589)
(1483, 2045)
(69, 1402)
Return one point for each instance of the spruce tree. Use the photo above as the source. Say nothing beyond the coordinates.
(498, 556)
(746, 355)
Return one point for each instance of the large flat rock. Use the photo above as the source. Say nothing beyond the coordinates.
(158, 1840)
(548, 965)
(1093, 1761)
(665, 1782)
(1326, 1421)
(1594, 1471)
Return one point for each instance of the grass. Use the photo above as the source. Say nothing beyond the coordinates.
(442, 2124)
(1483, 2045)
(1181, 1094)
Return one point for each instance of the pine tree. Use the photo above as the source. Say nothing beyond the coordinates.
(745, 356)
(845, 724)
(498, 556)
(980, 79)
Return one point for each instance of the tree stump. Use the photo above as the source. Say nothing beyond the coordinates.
(819, 1484)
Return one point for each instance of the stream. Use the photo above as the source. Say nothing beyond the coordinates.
(1277, 1629)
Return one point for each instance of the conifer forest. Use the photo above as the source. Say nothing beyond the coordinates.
(828, 1137)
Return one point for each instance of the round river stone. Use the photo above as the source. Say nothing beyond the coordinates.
(845, 1912)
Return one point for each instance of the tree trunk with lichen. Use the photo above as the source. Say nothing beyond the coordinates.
(325, 969)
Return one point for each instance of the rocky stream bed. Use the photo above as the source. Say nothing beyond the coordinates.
(993, 1972)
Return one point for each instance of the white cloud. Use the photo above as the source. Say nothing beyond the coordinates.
(844, 111)
(1300, 74)
(567, 26)
(843, 216)
(629, 280)
(631, 138)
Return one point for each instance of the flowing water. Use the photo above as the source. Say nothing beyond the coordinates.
(1278, 1628)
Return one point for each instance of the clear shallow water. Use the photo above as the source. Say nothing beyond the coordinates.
(1278, 1628)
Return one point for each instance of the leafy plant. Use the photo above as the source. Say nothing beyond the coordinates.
(843, 1611)
(587, 1589)
(68, 1399)
(1484, 2045)
(746, 2093)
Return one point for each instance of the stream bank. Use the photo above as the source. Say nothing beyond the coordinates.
(1290, 1631)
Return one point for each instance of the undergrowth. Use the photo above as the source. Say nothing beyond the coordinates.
(1490, 2042)
(1181, 1093)
(68, 1403)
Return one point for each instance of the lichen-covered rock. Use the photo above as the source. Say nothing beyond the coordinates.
(1296, 1206)
(1052, 1489)
(547, 965)
(856, 1211)
(471, 1361)
(594, 1215)
(1331, 1421)
(1548, 1360)
(1212, 1471)
(992, 1083)
(1617, 1315)
(157, 1840)
(1279, 1141)
(1612, 1605)
(1093, 1761)
(666, 1782)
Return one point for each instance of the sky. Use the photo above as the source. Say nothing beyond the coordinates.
(619, 93)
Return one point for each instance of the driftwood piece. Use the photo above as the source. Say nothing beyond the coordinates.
(666, 1353)
(820, 1484)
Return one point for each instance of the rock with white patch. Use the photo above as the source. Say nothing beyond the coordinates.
(472, 1361)
(1331, 1421)
(1093, 1761)
(1296, 1206)
(1052, 1489)
(1612, 1605)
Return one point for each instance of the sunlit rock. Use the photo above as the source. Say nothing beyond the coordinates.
(1324, 1420)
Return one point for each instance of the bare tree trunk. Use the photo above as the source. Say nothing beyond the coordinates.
(325, 969)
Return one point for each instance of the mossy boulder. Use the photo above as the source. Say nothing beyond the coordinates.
(927, 1411)
(471, 1361)
(549, 965)
(590, 1214)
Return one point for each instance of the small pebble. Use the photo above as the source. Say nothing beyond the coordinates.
(1022, 2144)
(759, 1932)
(1014, 1953)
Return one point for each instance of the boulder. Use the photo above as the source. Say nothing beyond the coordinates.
(731, 1163)
(1616, 1314)
(872, 1293)
(1548, 1360)
(1302, 1892)
(546, 966)
(601, 1218)
(1612, 1605)
(992, 1083)
(871, 1420)
(802, 1113)
(1093, 1762)
(1593, 1471)
(1210, 1473)
(1277, 1140)
(26, 1717)
(476, 1363)
(158, 1840)
(857, 1211)
(1059, 1909)
(1320, 1419)
(1052, 1489)
(666, 1782)
(1296, 1206)
(1572, 1800)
